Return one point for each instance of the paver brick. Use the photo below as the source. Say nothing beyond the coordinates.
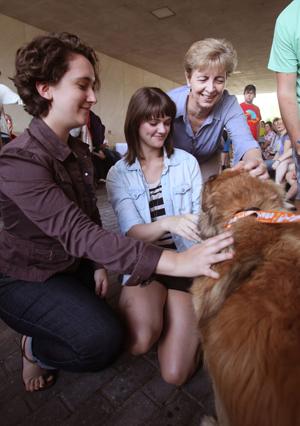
(158, 390)
(92, 412)
(14, 411)
(200, 388)
(135, 412)
(10, 386)
(85, 386)
(50, 414)
(180, 411)
(128, 381)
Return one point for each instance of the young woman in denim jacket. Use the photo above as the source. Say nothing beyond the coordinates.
(155, 192)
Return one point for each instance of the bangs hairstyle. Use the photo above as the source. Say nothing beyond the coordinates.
(46, 59)
(146, 104)
(210, 53)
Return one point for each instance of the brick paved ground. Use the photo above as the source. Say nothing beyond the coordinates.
(129, 393)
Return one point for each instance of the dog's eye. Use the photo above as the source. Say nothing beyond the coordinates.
(212, 178)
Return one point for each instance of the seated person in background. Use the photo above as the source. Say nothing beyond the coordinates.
(4, 131)
(155, 192)
(277, 147)
(269, 137)
(103, 157)
(93, 134)
(10, 126)
(283, 158)
(262, 131)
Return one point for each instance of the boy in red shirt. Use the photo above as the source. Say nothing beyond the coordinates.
(251, 111)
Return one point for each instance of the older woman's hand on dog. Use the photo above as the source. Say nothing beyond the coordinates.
(255, 166)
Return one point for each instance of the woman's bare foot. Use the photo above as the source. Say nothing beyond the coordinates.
(35, 378)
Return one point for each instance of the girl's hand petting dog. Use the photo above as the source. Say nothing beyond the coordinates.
(185, 225)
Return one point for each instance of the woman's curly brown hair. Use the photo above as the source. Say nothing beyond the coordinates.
(46, 59)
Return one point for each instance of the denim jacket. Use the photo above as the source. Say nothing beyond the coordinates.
(181, 183)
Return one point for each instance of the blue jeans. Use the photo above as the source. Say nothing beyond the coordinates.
(71, 327)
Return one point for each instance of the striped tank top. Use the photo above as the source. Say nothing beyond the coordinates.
(157, 211)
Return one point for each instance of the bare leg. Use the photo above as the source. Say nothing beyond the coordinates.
(292, 181)
(281, 171)
(142, 309)
(179, 348)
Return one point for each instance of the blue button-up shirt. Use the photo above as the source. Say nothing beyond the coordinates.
(207, 140)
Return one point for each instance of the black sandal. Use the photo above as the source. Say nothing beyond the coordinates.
(46, 375)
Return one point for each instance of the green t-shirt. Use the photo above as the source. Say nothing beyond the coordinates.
(285, 52)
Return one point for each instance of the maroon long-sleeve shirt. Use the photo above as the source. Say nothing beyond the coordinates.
(50, 215)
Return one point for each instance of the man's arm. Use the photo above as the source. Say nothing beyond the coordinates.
(286, 93)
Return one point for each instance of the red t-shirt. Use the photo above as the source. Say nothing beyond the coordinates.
(252, 113)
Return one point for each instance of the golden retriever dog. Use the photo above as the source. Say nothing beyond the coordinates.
(249, 319)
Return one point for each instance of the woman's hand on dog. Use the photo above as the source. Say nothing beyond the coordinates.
(256, 168)
(199, 259)
(185, 226)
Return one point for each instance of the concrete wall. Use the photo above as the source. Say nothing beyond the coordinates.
(118, 80)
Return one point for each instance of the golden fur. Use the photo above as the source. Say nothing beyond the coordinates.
(250, 318)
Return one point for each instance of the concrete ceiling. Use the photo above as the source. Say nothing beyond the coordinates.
(126, 30)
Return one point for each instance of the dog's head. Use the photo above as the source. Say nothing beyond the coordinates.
(234, 191)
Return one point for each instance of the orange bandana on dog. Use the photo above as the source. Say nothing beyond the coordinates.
(266, 216)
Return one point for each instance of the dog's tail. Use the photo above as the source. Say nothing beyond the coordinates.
(210, 298)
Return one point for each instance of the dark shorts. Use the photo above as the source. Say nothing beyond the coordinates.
(174, 283)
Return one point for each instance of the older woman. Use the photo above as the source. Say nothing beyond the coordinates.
(204, 108)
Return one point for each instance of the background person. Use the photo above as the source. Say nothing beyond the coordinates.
(10, 126)
(204, 108)
(93, 134)
(251, 111)
(53, 250)
(268, 140)
(102, 156)
(276, 149)
(155, 192)
(226, 151)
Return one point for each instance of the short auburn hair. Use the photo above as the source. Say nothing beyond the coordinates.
(46, 59)
(145, 104)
